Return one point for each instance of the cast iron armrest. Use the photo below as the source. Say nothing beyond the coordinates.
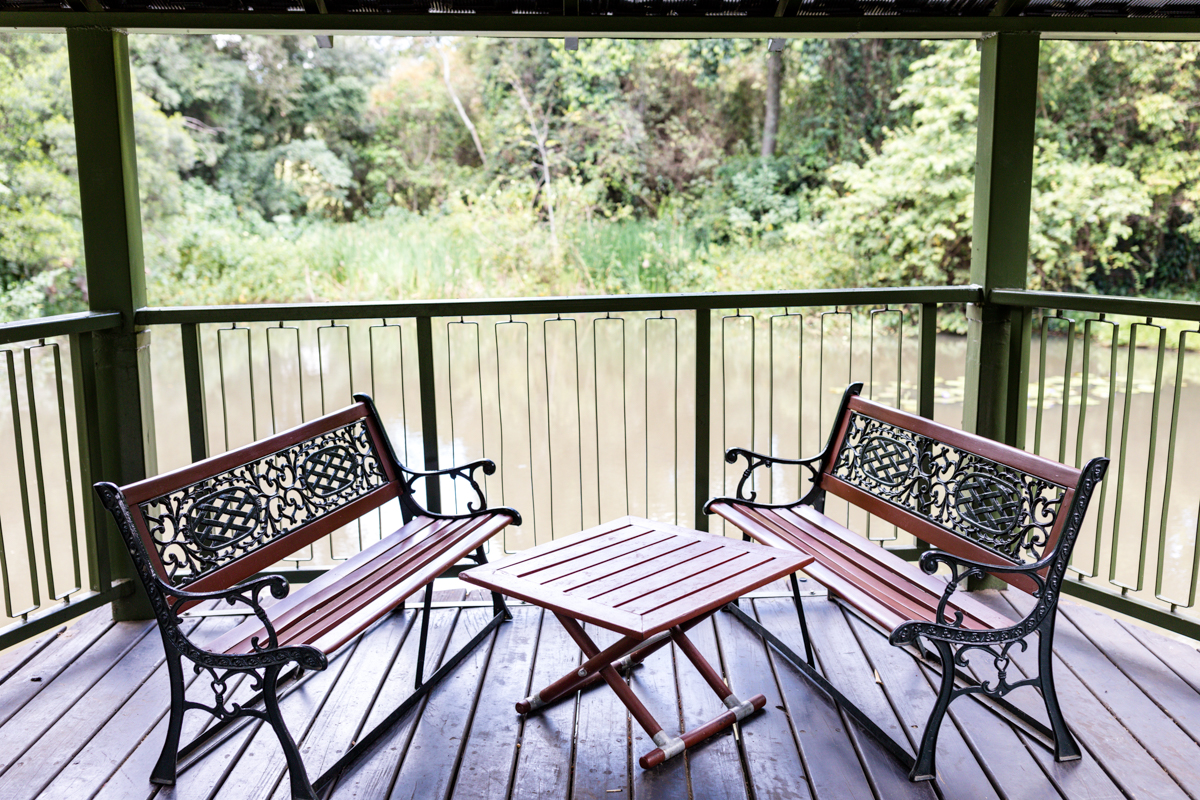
(246, 594)
(756, 460)
(961, 569)
(466, 472)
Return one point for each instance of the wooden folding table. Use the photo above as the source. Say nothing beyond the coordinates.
(649, 582)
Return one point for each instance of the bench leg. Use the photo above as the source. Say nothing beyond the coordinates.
(498, 605)
(924, 769)
(1065, 746)
(808, 651)
(427, 607)
(164, 770)
(301, 788)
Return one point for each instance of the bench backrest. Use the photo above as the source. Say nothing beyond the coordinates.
(962, 493)
(219, 521)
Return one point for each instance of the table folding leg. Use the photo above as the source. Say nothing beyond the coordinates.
(603, 665)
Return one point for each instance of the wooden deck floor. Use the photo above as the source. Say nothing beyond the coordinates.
(82, 715)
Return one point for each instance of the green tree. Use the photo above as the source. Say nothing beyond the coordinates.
(904, 216)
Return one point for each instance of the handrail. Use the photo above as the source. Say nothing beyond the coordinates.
(1099, 304)
(553, 305)
(83, 322)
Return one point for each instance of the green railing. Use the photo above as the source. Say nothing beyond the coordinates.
(1120, 377)
(54, 563)
(598, 407)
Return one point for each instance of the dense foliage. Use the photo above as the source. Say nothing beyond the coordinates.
(273, 170)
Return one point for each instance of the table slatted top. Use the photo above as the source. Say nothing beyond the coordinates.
(635, 576)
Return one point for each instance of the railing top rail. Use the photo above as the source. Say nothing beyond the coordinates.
(61, 325)
(1101, 304)
(554, 305)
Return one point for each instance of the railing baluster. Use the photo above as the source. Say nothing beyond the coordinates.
(1180, 357)
(786, 317)
(292, 334)
(549, 375)
(193, 388)
(68, 476)
(873, 315)
(87, 427)
(221, 334)
(23, 483)
(674, 394)
(451, 360)
(428, 384)
(506, 460)
(1130, 385)
(35, 436)
(597, 325)
(703, 414)
(927, 360)
(726, 321)
(1098, 513)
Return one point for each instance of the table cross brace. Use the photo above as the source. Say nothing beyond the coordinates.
(627, 652)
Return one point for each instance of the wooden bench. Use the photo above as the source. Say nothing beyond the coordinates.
(988, 509)
(198, 533)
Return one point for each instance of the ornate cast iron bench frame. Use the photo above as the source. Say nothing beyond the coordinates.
(197, 534)
(987, 507)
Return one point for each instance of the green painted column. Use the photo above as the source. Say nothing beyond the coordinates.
(101, 94)
(998, 338)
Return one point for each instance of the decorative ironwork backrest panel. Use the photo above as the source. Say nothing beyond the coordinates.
(992, 505)
(210, 524)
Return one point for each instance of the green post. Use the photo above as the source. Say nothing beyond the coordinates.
(101, 94)
(998, 337)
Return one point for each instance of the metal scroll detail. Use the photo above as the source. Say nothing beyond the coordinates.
(992, 505)
(204, 526)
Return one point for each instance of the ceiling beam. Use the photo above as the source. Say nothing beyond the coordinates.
(556, 27)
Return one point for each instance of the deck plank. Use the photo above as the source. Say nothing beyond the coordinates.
(129, 729)
(441, 730)
(47, 706)
(17, 656)
(1182, 658)
(373, 775)
(602, 737)
(547, 735)
(714, 768)
(1164, 687)
(772, 755)
(1106, 739)
(839, 656)
(489, 758)
(70, 734)
(1159, 734)
(36, 675)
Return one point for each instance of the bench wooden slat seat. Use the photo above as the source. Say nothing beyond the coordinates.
(347, 599)
(203, 532)
(986, 508)
(883, 588)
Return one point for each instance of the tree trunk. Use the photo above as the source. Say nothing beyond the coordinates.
(771, 118)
